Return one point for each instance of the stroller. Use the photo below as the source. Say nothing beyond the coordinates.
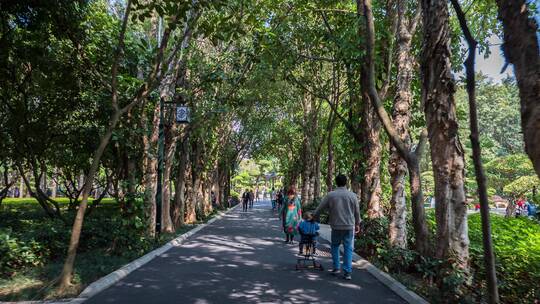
(307, 261)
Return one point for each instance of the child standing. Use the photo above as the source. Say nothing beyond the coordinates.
(309, 230)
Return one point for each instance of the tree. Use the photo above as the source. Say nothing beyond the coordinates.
(153, 79)
(401, 116)
(447, 152)
(411, 156)
(489, 257)
(521, 49)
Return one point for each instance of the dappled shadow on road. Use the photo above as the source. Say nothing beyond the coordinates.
(240, 259)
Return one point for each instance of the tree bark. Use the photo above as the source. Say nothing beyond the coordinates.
(54, 184)
(411, 156)
(170, 146)
(65, 277)
(193, 201)
(401, 117)
(355, 176)
(306, 149)
(178, 212)
(489, 256)
(330, 164)
(522, 50)
(206, 189)
(21, 186)
(6, 183)
(372, 149)
(446, 150)
(150, 168)
(371, 183)
(317, 178)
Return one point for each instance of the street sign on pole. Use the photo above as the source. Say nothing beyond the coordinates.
(182, 114)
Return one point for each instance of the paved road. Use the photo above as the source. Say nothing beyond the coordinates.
(241, 259)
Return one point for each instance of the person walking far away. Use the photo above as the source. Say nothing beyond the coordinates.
(273, 198)
(291, 213)
(251, 198)
(279, 199)
(344, 217)
(245, 200)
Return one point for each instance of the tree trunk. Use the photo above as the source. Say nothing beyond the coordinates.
(180, 193)
(306, 149)
(401, 117)
(227, 185)
(317, 178)
(522, 50)
(305, 184)
(154, 78)
(167, 225)
(150, 169)
(193, 201)
(215, 185)
(356, 185)
(67, 270)
(421, 232)
(489, 256)
(372, 150)
(446, 151)
(397, 168)
(190, 214)
(330, 164)
(412, 157)
(207, 201)
(21, 186)
(170, 147)
(371, 184)
(54, 185)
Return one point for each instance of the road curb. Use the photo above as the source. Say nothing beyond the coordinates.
(383, 277)
(115, 276)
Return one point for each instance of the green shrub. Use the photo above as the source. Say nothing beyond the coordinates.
(29, 238)
(374, 237)
(517, 249)
(516, 243)
(16, 254)
(397, 259)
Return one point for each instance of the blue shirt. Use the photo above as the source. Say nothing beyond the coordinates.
(531, 210)
(308, 227)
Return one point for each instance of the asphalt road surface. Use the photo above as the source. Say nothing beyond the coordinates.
(241, 258)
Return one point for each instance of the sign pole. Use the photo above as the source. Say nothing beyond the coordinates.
(161, 148)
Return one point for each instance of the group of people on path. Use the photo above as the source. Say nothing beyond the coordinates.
(247, 200)
(525, 208)
(344, 219)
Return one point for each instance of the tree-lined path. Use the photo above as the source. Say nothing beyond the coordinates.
(125, 122)
(241, 258)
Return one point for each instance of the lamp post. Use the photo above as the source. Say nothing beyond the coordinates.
(182, 116)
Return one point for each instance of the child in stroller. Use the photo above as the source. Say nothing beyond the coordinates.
(309, 231)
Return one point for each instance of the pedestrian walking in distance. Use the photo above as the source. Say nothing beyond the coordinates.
(245, 200)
